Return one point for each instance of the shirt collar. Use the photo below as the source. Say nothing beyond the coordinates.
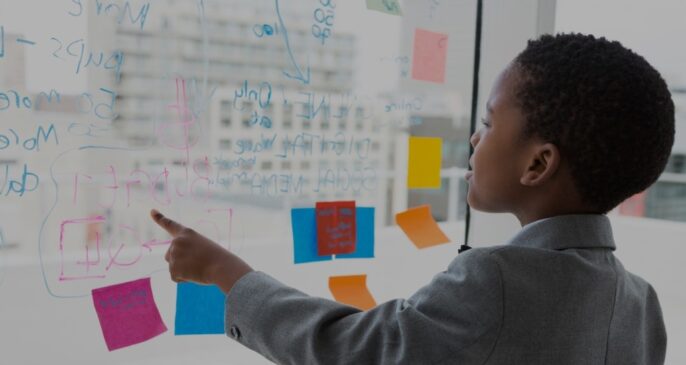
(566, 231)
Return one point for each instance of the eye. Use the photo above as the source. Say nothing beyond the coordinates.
(486, 122)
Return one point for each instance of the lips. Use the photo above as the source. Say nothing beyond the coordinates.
(468, 175)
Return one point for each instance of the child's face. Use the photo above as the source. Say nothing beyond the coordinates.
(499, 158)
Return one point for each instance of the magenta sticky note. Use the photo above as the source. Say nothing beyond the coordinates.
(429, 57)
(128, 314)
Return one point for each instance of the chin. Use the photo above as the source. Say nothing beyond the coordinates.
(475, 204)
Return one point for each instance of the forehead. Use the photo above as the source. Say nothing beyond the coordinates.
(503, 92)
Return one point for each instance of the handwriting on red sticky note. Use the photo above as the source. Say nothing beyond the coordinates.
(335, 227)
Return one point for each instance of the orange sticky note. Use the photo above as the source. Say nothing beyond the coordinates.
(429, 56)
(420, 227)
(424, 163)
(352, 290)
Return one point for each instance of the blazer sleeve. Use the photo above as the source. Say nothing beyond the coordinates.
(438, 322)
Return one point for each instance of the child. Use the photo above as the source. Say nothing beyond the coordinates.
(575, 124)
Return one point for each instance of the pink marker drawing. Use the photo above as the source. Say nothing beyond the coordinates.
(63, 225)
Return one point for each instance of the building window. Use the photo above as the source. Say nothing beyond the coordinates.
(286, 165)
(305, 109)
(247, 120)
(343, 112)
(225, 144)
(359, 112)
(326, 113)
(226, 122)
(677, 164)
(266, 165)
(287, 116)
(226, 106)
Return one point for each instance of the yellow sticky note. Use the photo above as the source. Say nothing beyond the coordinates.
(352, 290)
(420, 227)
(424, 163)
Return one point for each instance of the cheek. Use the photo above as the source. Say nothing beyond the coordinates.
(490, 185)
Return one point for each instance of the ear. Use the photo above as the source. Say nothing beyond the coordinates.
(542, 166)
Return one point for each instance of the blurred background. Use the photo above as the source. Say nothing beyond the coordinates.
(227, 114)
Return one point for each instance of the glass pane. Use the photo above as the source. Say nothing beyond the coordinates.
(666, 199)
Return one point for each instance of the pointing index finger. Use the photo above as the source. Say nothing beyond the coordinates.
(174, 228)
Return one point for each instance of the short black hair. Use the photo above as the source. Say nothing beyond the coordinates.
(608, 111)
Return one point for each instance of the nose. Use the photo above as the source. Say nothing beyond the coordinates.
(474, 139)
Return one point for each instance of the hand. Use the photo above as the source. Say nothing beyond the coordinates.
(193, 257)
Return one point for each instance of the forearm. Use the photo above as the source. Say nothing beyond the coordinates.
(290, 327)
(227, 271)
(460, 309)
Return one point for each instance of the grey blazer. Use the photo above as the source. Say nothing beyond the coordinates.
(554, 294)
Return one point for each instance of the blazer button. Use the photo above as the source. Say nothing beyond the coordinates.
(235, 332)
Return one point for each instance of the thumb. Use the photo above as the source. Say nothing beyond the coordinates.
(172, 227)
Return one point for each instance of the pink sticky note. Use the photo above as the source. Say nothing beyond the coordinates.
(128, 314)
(429, 58)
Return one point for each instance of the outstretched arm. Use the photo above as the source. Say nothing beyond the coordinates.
(453, 319)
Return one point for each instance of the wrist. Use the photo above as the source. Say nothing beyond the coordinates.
(227, 271)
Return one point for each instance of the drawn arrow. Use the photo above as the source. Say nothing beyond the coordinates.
(304, 78)
(153, 242)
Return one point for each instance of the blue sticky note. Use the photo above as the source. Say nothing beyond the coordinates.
(304, 223)
(364, 222)
(199, 309)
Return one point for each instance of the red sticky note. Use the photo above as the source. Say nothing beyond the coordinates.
(335, 227)
(429, 57)
(128, 314)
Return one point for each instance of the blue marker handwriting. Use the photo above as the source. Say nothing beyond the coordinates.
(262, 94)
(340, 179)
(12, 138)
(17, 183)
(13, 98)
(265, 30)
(405, 105)
(111, 8)
(307, 144)
(237, 163)
(77, 51)
(85, 103)
(313, 103)
(255, 146)
(324, 17)
(299, 75)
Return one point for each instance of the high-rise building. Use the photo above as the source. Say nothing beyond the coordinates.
(219, 45)
(270, 104)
